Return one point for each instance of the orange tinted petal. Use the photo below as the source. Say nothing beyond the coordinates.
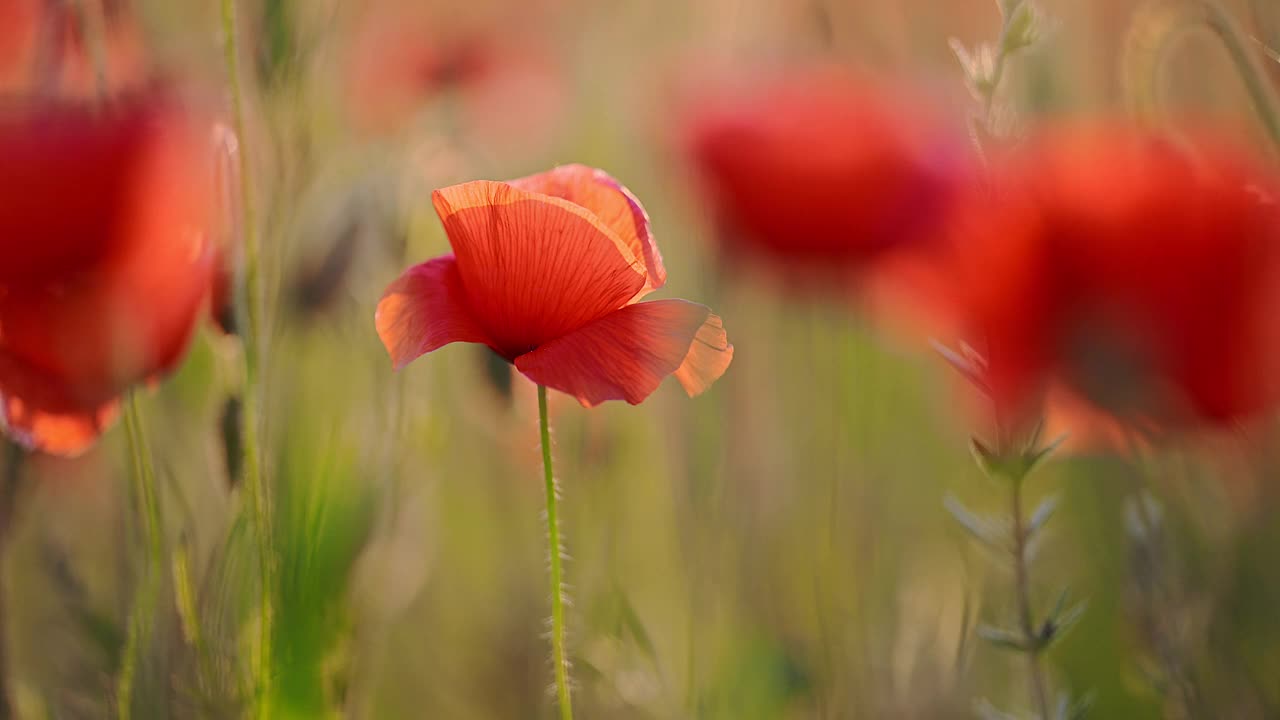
(534, 267)
(709, 356)
(424, 309)
(612, 203)
(627, 353)
(57, 433)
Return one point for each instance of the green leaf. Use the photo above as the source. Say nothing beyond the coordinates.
(1041, 514)
(1067, 709)
(1005, 639)
(986, 711)
(635, 628)
(1008, 7)
(1033, 458)
(1061, 619)
(1022, 28)
(988, 531)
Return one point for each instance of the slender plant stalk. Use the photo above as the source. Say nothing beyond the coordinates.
(251, 311)
(1023, 592)
(557, 578)
(10, 478)
(148, 591)
(184, 591)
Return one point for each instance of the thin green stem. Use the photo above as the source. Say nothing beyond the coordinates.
(147, 594)
(184, 591)
(557, 581)
(1158, 25)
(1023, 593)
(251, 311)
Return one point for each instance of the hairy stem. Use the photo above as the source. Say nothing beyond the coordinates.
(557, 578)
(251, 297)
(1022, 591)
(1158, 25)
(147, 594)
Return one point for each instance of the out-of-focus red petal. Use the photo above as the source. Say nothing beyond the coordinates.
(1140, 276)
(626, 354)
(111, 297)
(885, 175)
(534, 267)
(65, 176)
(57, 433)
(425, 309)
(609, 201)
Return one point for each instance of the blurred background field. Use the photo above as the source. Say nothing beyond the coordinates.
(776, 548)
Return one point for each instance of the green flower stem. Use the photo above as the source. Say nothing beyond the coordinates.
(251, 311)
(1157, 26)
(1022, 591)
(147, 596)
(557, 581)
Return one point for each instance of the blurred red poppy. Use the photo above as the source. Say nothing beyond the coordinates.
(105, 259)
(547, 271)
(822, 172)
(1136, 272)
(43, 49)
(500, 79)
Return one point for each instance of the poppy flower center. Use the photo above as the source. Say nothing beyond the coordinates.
(1109, 360)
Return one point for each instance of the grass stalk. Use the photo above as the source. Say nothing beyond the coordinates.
(251, 297)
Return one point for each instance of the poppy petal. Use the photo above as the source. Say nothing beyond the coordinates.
(627, 353)
(69, 172)
(609, 201)
(57, 433)
(424, 309)
(535, 267)
(709, 356)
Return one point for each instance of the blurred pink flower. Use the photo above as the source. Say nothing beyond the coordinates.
(502, 83)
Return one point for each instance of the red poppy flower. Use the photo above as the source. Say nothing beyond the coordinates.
(403, 59)
(1137, 273)
(104, 259)
(547, 271)
(822, 171)
(42, 49)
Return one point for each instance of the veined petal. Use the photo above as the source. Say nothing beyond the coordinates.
(709, 356)
(626, 354)
(423, 309)
(612, 203)
(534, 267)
